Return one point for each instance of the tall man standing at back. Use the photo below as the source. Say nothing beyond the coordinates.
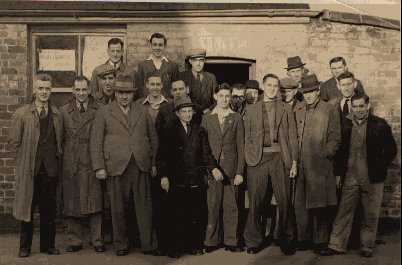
(115, 52)
(202, 84)
(123, 151)
(35, 134)
(157, 62)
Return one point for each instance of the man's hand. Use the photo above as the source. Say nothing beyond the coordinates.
(165, 183)
(217, 174)
(293, 170)
(338, 182)
(154, 171)
(101, 173)
(238, 180)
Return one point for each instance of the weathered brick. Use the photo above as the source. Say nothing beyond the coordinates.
(6, 170)
(6, 186)
(5, 115)
(17, 49)
(9, 193)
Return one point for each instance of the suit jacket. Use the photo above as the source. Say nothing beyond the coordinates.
(380, 145)
(99, 96)
(285, 127)
(114, 140)
(169, 71)
(208, 85)
(185, 159)
(227, 144)
(336, 102)
(122, 70)
(330, 90)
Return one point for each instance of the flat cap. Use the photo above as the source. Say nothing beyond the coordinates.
(105, 69)
(197, 53)
(288, 83)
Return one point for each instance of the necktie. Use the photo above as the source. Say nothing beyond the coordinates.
(42, 114)
(82, 109)
(198, 81)
(345, 109)
(188, 129)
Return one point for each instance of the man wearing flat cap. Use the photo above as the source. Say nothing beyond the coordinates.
(290, 94)
(253, 91)
(201, 83)
(107, 76)
(115, 50)
(319, 137)
(296, 69)
(123, 148)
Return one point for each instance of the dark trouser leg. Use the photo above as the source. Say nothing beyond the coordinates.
(160, 213)
(177, 219)
(75, 231)
(230, 215)
(198, 211)
(301, 213)
(320, 221)
(95, 226)
(26, 234)
(214, 200)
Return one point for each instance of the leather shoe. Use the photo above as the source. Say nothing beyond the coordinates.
(50, 251)
(174, 255)
(122, 252)
(196, 252)
(253, 250)
(304, 245)
(329, 252)
(100, 248)
(288, 250)
(366, 254)
(209, 249)
(234, 248)
(73, 248)
(24, 252)
(155, 252)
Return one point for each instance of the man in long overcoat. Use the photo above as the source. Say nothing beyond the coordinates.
(320, 137)
(35, 134)
(82, 195)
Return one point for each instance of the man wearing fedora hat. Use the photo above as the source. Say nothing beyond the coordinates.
(107, 76)
(123, 148)
(201, 83)
(253, 91)
(319, 138)
(184, 157)
(296, 69)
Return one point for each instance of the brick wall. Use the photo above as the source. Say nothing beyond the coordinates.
(13, 91)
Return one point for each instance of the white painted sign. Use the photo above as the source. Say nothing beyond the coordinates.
(56, 60)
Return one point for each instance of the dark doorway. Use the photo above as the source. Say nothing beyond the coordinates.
(230, 73)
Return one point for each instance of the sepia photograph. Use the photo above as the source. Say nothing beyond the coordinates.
(192, 132)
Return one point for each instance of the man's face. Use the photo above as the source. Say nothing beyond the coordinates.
(108, 81)
(222, 98)
(337, 68)
(271, 87)
(251, 95)
(296, 74)
(158, 47)
(154, 86)
(347, 87)
(288, 94)
(185, 114)
(197, 64)
(311, 97)
(360, 108)
(81, 91)
(43, 89)
(124, 98)
(237, 99)
(115, 51)
(179, 89)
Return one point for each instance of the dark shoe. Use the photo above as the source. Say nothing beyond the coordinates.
(327, 252)
(174, 255)
(73, 248)
(234, 248)
(155, 252)
(366, 254)
(24, 252)
(50, 251)
(209, 249)
(253, 250)
(196, 252)
(100, 248)
(288, 250)
(304, 245)
(122, 252)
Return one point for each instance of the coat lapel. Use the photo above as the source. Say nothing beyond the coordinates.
(89, 113)
(279, 115)
(215, 124)
(134, 116)
(204, 83)
(227, 123)
(116, 112)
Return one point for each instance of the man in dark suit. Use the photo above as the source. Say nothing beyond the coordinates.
(185, 158)
(271, 153)
(115, 52)
(159, 63)
(35, 134)
(368, 148)
(238, 99)
(200, 82)
(225, 131)
(330, 89)
(253, 91)
(123, 149)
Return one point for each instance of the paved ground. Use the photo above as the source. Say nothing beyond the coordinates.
(383, 255)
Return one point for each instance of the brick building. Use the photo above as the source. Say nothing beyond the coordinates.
(242, 40)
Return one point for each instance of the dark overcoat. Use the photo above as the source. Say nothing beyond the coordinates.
(81, 189)
(205, 96)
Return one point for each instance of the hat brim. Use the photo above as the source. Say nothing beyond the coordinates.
(282, 87)
(108, 72)
(196, 56)
(309, 89)
(125, 89)
(184, 105)
(295, 66)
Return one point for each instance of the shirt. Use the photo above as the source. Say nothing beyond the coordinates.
(153, 108)
(117, 65)
(222, 113)
(196, 73)
(125, 110)
(184, 125)
(343, 103)
(158, 62)
(85, 104)
(39, 107)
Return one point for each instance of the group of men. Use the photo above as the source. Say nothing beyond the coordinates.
(179, 146)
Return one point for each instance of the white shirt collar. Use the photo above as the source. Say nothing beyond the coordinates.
(79, 103)
(222, 113)
(125, 111)
(152, 57)
(162, 99)
(117, 65)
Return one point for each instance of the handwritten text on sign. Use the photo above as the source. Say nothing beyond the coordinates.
(56, 60)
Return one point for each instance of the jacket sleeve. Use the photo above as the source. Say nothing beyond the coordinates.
(208, 157)
(176, 72)
(153, 136)
(16, 130)
(94, 81)
(97, 141)
(334, 132)
(389, 148)
(324, 92)
(292, 128)
(240, 146)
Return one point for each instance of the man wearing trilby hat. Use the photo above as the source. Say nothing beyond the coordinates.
(319, 137)
(296, 69)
